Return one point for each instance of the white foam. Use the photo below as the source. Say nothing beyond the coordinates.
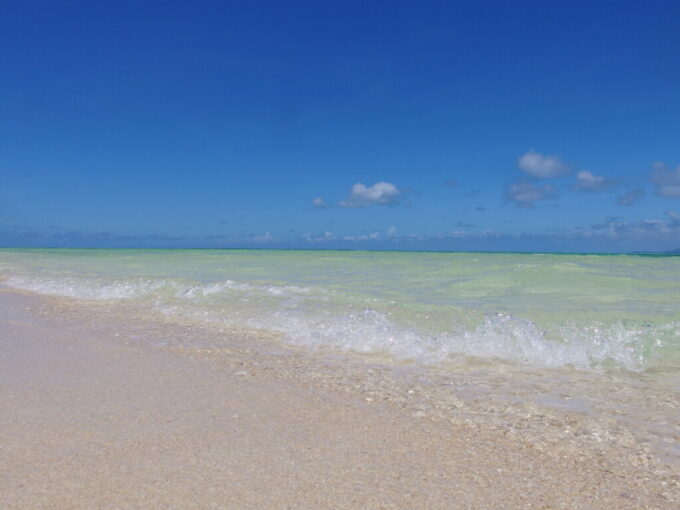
(84, 289)
(500, 336)
(316, 318)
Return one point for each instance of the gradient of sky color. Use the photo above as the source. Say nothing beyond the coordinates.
(432, 125)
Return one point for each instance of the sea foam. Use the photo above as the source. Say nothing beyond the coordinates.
(323, 318)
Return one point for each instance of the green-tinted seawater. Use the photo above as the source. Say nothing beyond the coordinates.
(590, 312)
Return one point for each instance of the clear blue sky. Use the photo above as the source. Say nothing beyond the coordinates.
(430, 125)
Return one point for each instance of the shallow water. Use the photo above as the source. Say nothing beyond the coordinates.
(586, 334)
(585, 312)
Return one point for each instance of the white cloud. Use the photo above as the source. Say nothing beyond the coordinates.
(381, 193)
(326, 236)
(666, 181)
(541, 166)
(617, 227)
(587, 181)
(365, 237)
(389, 234)
(525, 194)
(320, 203)
(454, 234)
(267, 237)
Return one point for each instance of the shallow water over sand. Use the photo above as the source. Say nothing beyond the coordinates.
(591, 335)
(582, 311)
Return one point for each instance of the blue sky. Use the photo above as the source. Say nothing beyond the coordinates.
(390, 125)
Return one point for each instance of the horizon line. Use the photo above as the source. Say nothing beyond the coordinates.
(668, 253)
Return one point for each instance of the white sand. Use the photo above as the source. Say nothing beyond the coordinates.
(87, 421)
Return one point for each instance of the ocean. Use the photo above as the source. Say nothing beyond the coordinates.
(588, 333)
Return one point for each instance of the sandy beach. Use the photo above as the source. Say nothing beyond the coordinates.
(89, 419)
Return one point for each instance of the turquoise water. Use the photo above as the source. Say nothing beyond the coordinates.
(584, 312)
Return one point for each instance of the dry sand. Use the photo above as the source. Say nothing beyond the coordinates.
(88, 420)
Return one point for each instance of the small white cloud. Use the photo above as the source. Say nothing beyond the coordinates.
(666, 181)
(316, 238)
(392, 231)
(526, 194)
(267, 237)
(454, 234)
(541, 166)
(617, 227)
(381, 193)
(328, 236)
(365, 237)
(320, 203)
(587, 181)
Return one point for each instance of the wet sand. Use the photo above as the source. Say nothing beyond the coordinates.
(91, 420)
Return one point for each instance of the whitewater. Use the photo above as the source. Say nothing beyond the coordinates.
(587, 312)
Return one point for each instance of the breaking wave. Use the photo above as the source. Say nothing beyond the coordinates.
(318, 317)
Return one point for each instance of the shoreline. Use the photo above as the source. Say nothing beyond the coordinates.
(94, 418)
